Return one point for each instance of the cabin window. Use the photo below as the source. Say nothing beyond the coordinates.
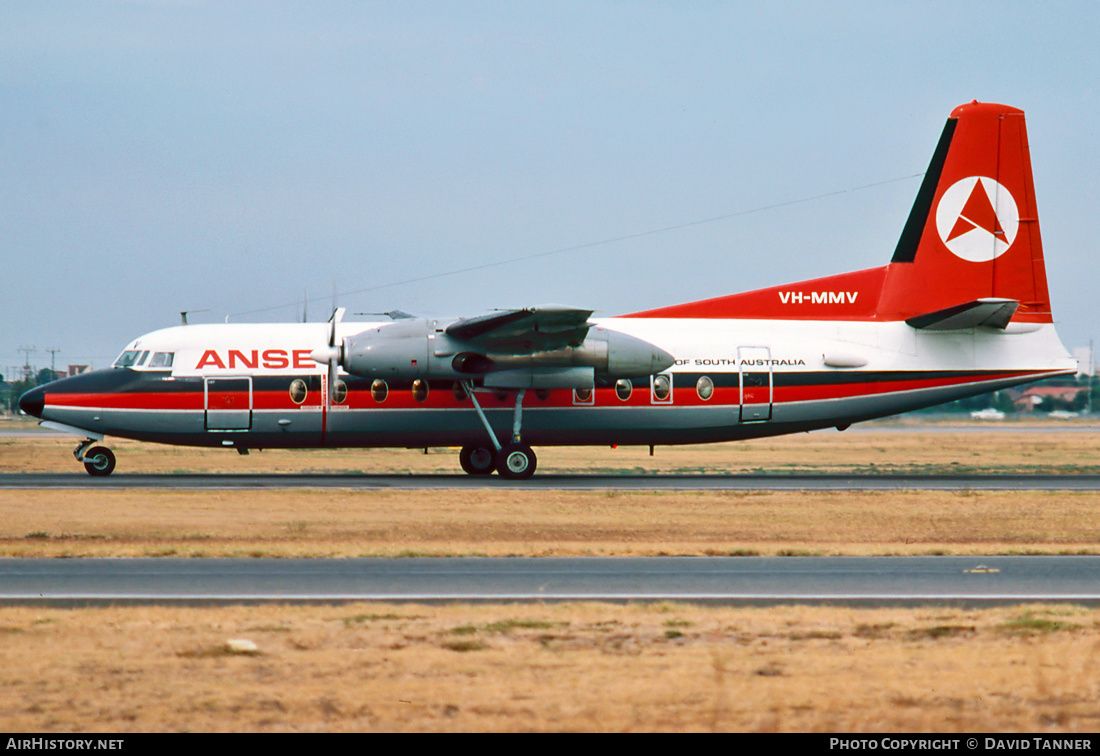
(339, 392)
(459, 392)
(583, 396)
(623, 388)
(298, 391)
(662, 389)
(420, 390)
(704, 387)
(162, 359)
(127, 359)
(542, 394)
(379, 390)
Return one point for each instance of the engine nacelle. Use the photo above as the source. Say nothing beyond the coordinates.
(620, 356)
(609, 353)
(409, 349)
(395, 350)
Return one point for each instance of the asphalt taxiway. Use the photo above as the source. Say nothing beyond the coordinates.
(814, 482)
(985, 580)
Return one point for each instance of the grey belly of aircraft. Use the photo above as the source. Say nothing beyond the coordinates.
(546, 426)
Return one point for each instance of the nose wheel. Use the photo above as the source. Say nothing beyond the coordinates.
(99, 461)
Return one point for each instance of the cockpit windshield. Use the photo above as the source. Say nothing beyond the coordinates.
(127, 358)
(133, 358)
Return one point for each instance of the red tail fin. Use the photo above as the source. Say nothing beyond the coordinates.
(973, 232)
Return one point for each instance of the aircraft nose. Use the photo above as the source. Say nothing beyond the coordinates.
(33, 401)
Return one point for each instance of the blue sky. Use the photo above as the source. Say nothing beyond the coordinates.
(241, 158)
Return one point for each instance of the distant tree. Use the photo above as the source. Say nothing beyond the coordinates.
(1053, 403)
(1003, 402)
(45, 375)
(10, 399)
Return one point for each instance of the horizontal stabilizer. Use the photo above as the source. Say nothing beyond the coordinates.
(989, 312)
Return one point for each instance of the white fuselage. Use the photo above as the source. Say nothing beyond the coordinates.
(255, 386)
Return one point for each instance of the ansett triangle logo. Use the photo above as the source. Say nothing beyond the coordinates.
(977, 219)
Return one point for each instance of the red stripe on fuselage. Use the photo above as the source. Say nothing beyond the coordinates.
(845, 385)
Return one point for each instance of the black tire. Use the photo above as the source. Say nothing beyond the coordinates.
(99, 461)
(477, 460)
(516, 462)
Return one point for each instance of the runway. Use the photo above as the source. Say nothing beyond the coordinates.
(725, 580)
(664, 482)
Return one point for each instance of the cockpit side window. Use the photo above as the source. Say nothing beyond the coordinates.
(127, 358)
(162, 359)
(141, 359)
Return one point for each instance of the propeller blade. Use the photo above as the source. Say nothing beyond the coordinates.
(333, 370)
(337, 316)
(333, 355)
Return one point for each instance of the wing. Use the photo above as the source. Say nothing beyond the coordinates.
(534, 329)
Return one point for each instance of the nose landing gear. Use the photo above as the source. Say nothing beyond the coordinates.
(99, 461)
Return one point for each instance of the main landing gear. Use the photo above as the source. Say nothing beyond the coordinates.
(514, 461)
(99, 461)
(477, 460)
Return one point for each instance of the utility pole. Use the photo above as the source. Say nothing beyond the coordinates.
(53, 356)
(27, 352)
(1092, 369)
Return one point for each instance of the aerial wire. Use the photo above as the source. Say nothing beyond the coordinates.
(601, 242)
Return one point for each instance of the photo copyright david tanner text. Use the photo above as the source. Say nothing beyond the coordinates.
(1044, 743)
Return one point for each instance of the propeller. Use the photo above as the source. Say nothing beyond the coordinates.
(332, 354)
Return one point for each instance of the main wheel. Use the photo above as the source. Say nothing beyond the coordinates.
(516, 462)
(477, 460)
(100, 461)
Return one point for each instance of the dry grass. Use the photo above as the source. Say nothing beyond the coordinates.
(558, 667)
(886, 450)
(555, 667)
(343, 523)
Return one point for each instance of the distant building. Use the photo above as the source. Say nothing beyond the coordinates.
(1027, 400)
(76, 370)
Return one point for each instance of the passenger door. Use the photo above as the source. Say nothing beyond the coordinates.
(755, 366)
(228, 404)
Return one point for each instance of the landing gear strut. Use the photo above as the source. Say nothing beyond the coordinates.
(99, 461)
(515, 461)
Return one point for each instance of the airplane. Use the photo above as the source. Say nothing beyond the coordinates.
(962, 308)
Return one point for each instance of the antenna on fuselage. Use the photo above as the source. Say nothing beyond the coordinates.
(392, 314)
(185, 313)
